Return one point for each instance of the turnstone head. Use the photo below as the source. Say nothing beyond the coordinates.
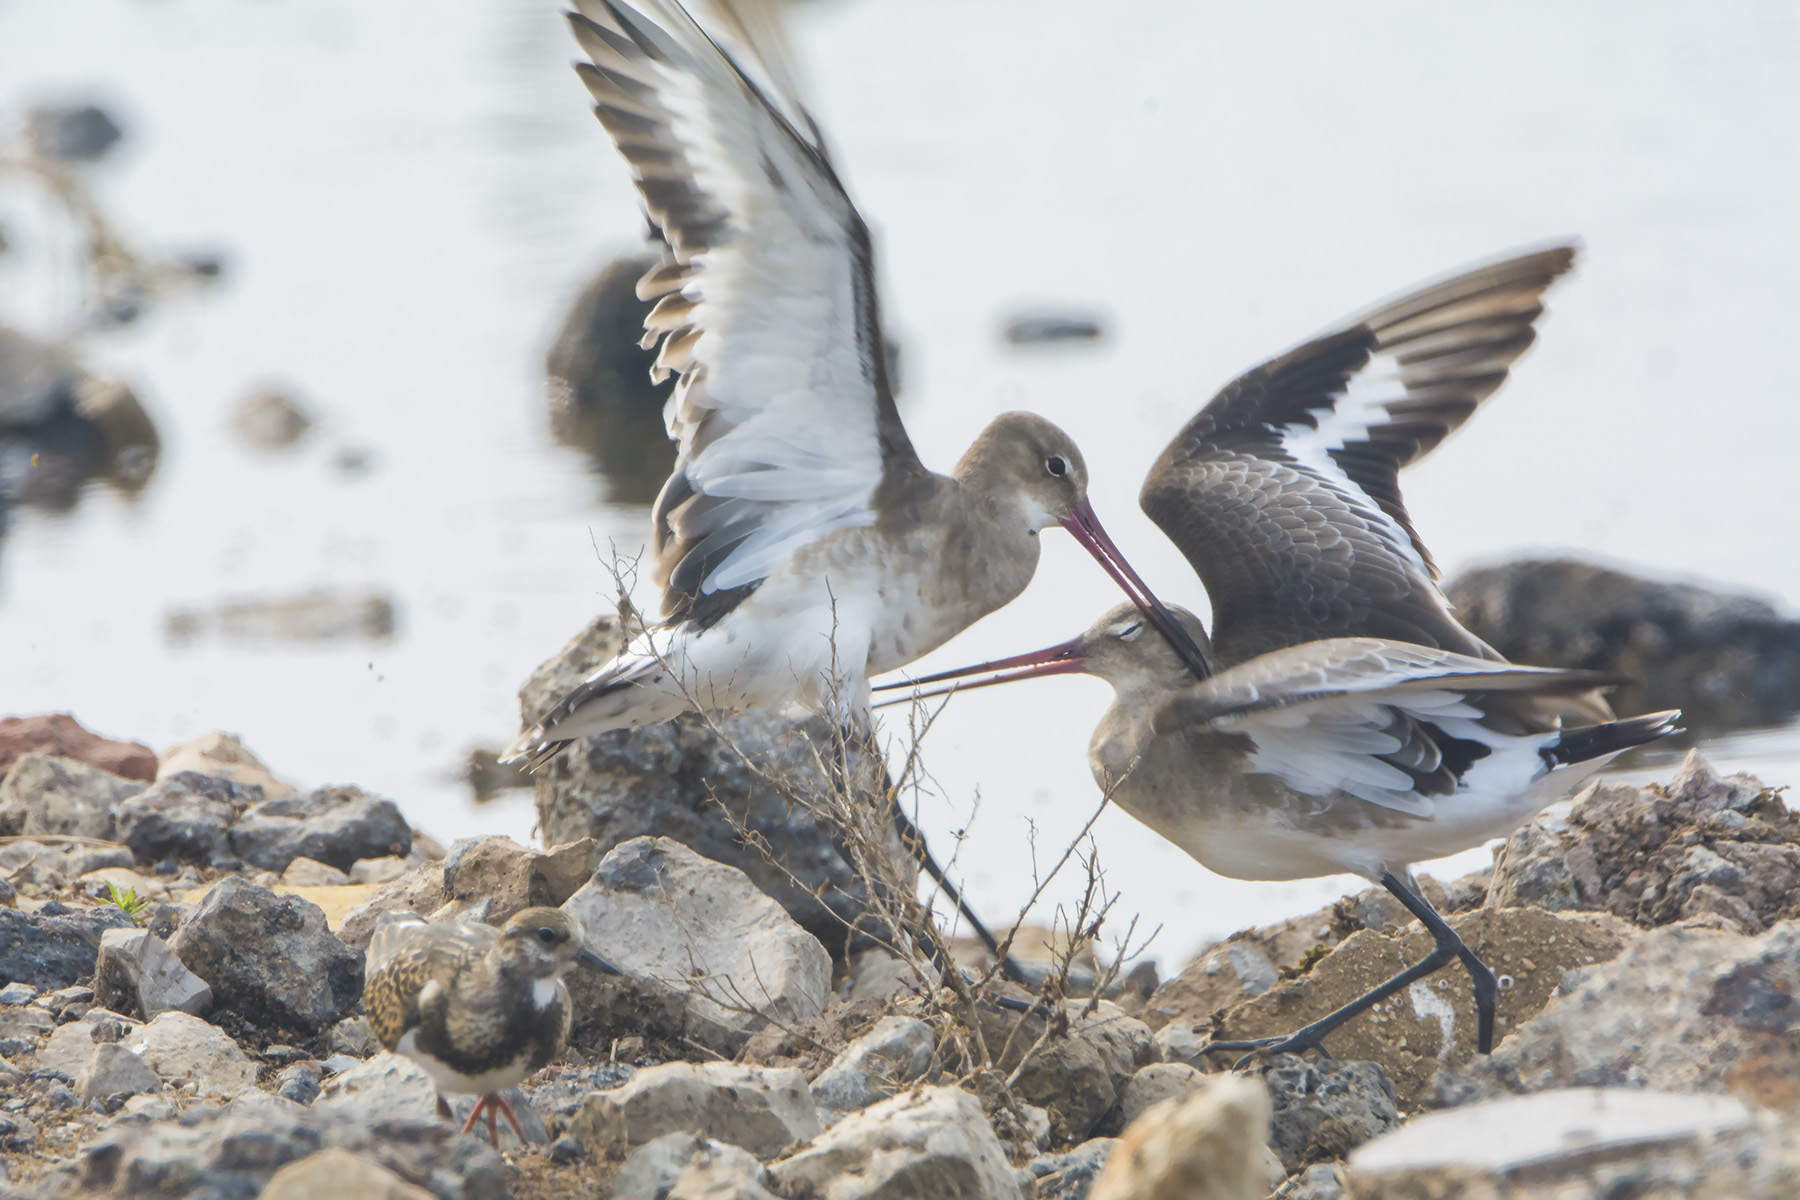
(479, 1008)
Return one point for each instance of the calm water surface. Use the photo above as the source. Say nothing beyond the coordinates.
(409, 193)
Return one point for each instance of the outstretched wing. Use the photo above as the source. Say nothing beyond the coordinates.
(1390, 723)
(765, 306)
(1283, 491)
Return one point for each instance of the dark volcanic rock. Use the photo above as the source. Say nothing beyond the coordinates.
(62, 736)
(333, 825)
(1323, 1110)
(270, 958)
(682, 780)
(45, 795)
(1724, 660)
(186, 817)
(1698, 844)
(50, 951)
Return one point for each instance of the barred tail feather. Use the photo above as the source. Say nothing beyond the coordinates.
(1614, 737)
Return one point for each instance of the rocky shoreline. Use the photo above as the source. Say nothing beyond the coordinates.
(182, 944)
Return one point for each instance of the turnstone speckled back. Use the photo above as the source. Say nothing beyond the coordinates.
(479, 1008)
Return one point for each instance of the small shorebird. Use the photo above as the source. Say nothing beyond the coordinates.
(800, 543)
(1349, 723)
(480, 1009)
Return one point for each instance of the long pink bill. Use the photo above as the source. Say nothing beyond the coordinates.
(1085, 528)
(1064, 658)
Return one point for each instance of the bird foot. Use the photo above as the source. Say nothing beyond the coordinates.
(1269, 1047)
(495, 1106)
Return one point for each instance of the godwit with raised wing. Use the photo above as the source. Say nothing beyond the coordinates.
(1352, 724)
(800, 543)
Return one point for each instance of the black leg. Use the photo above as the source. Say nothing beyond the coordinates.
(1449, 946)
(915, 841)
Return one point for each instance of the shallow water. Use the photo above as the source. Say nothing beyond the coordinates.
(408, 194)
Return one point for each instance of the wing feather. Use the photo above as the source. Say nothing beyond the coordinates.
(766, 305)
(1389, 723)
(1283, 491)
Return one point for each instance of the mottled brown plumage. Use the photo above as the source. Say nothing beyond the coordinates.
(479, 1008)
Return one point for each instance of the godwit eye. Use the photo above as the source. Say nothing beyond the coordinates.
(1130, 632)
(547, 936)
(1056, 466)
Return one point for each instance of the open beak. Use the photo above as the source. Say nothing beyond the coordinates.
(1085, 528)
(590, 961)
(1064, 658)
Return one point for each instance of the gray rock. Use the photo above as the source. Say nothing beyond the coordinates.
(334, 1174)
(514, 878)
(45, 795)
(353, 1036)
(1154, 1084)
(71, 1045)
(1069, 1176)
(336, 825)
(420, 890)
(378, 870)
(71, 132)
(100, 858)
(299, 1083)
(179, 1047)
(876, 1065)
(1321, 1181)
(1209, 1146)
(34, 864)
(679, 780)
(655, 908)
(17, 993)
(562, 1092)
(386, 1085)
(733, 1175)
(1078, 1075)
(308, 872)
(762, 1109)
(1725, 660)
(652, 1171)
(930, 1142)
(231, 1153)
(1323, 1110)
(270, 958)
(1699, 845)
(53, 951)
(1685, 1008)
(116, 1071)
(185, 816)
(1584, 1142)
(138, 974)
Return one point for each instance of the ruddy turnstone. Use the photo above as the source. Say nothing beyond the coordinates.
(480, 1009)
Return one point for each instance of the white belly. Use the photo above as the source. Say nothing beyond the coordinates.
(448, 1079)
